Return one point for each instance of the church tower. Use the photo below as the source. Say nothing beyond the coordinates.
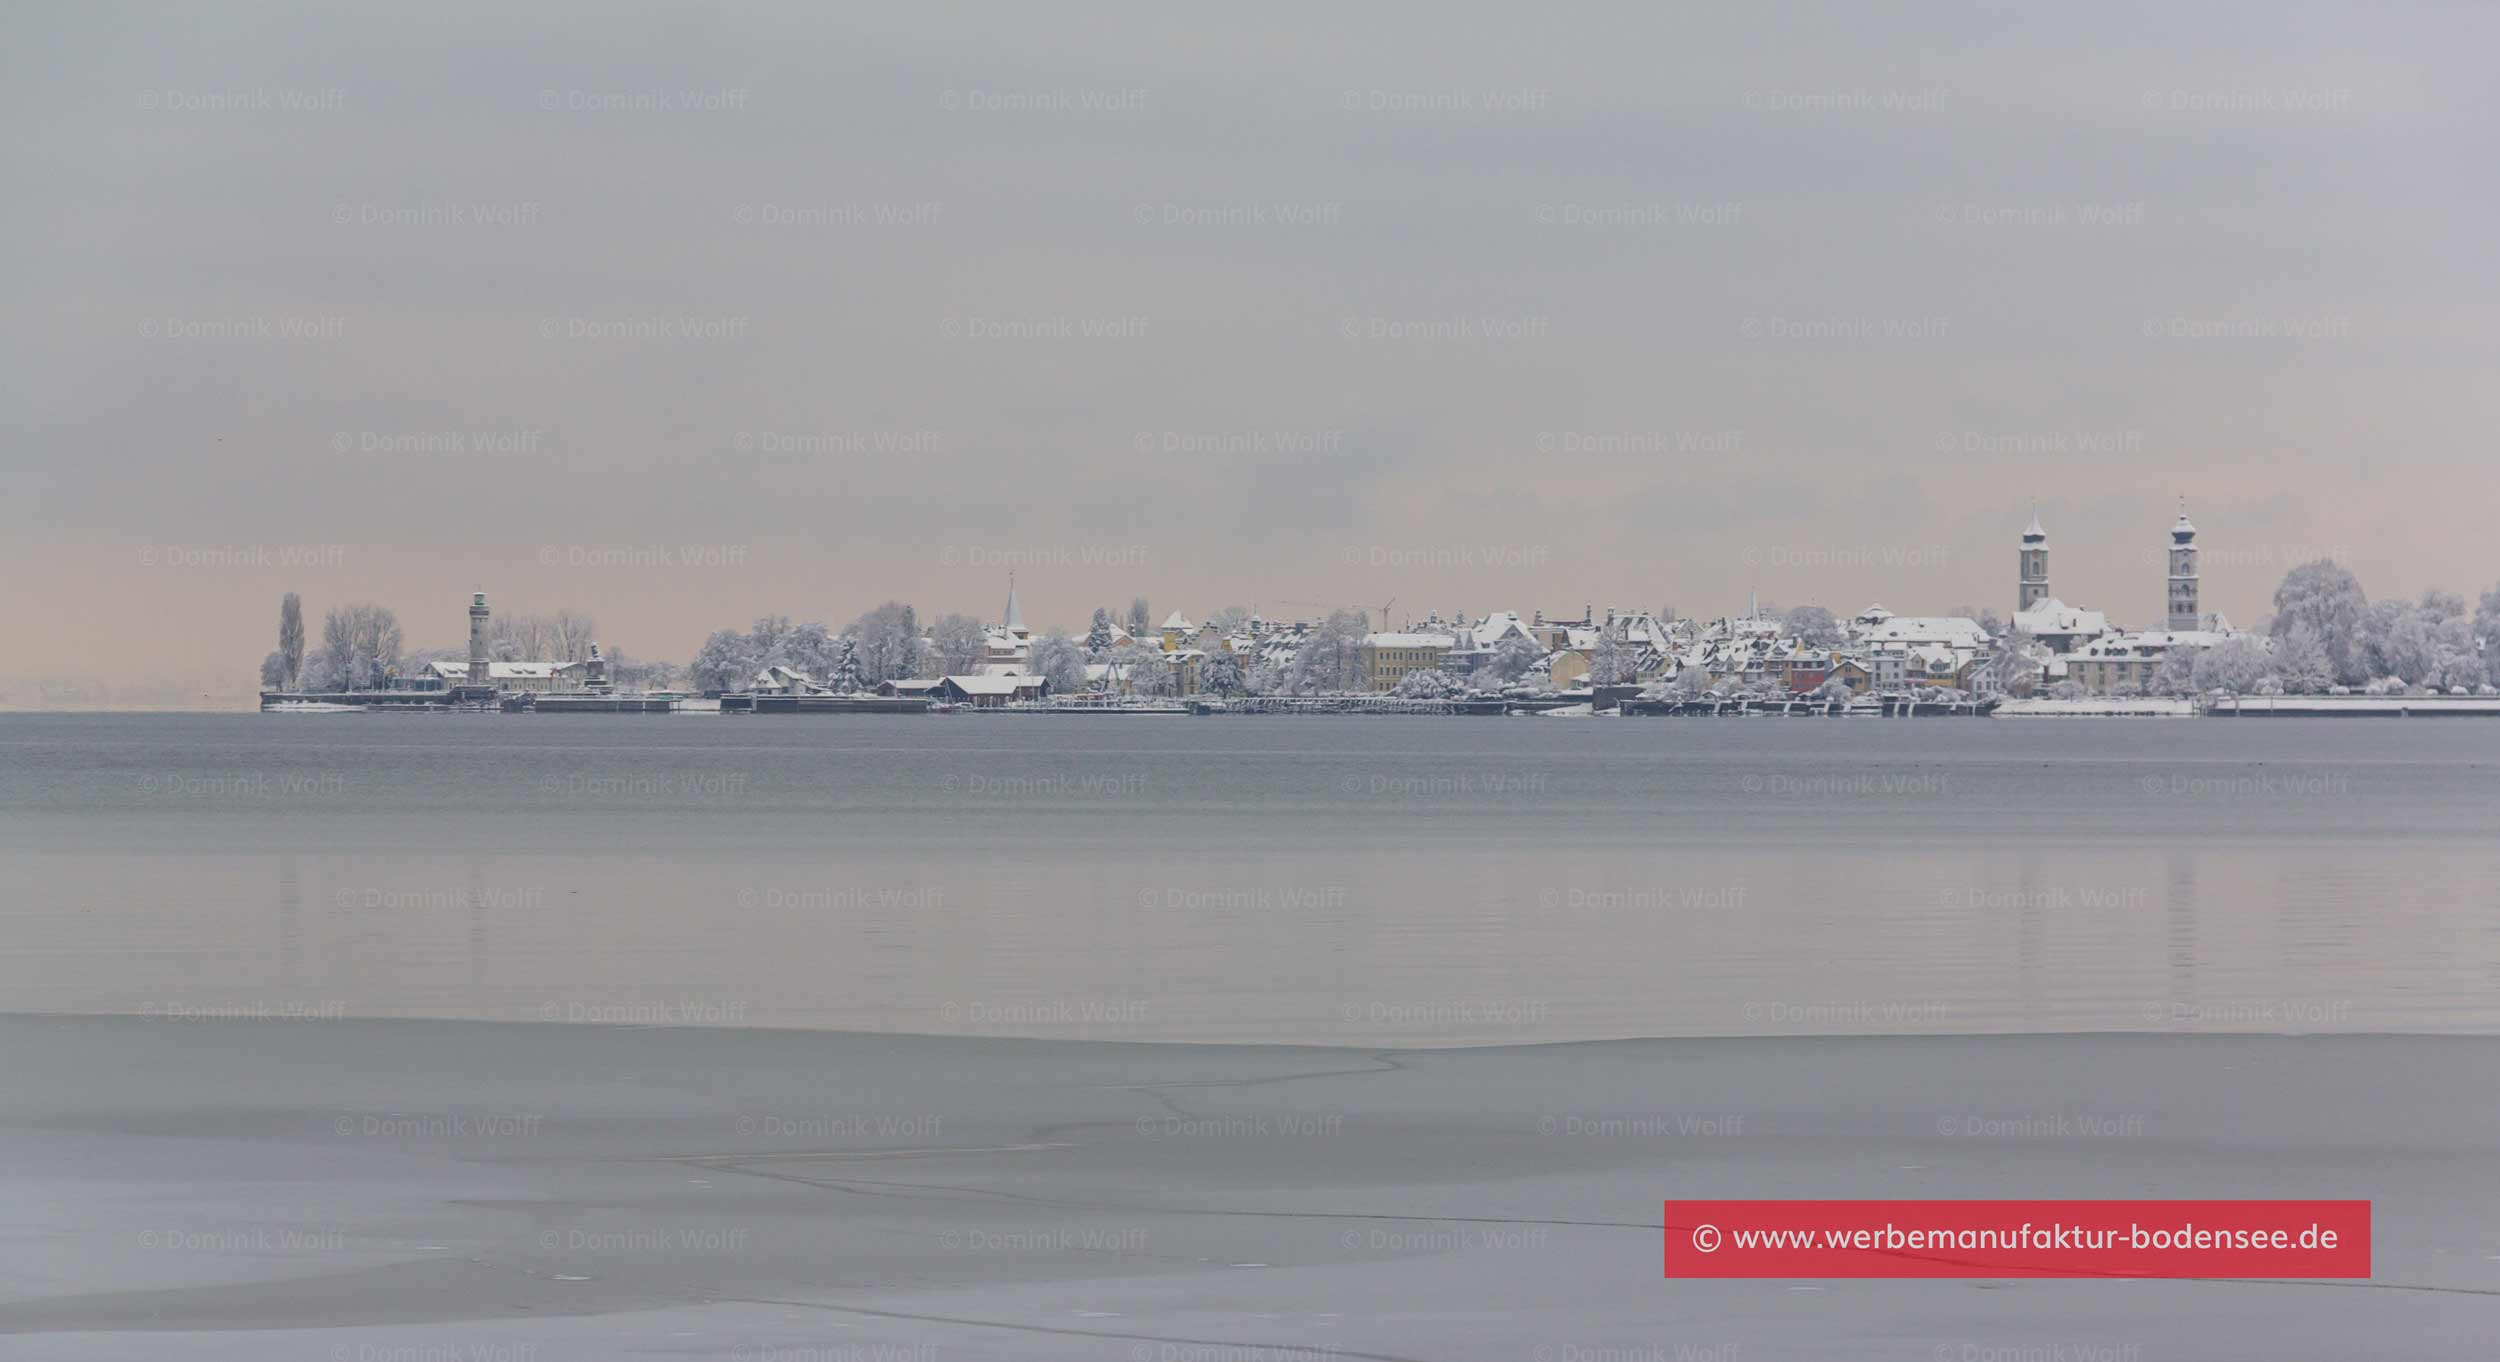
(2183, 607)
(2035, 565)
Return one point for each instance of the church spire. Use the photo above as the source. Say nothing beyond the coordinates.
(1015, 608)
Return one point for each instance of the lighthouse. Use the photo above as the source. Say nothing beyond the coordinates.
(478, 614)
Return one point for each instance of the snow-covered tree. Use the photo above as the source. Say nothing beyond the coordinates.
(1331, 659)
(1231, 619)
(2177, 673)
(1512, 657)
(844, 677)
(726, 661)
(1265, 678)
(360, 646)
(628, 673)
(1610, 662)
(2325, 596)
(1060, 660)
(809, 648)
(1428, 684)
(1813, 626)
(1099, 638)
(290, 641)
(1141, 620)
(1833, 688)
(2487, 628)
(888, 640)
(2301, 662)
(273, 672)
(1142, 666)
(2067, 690)
(2237, 665)
(960, 644)
(1222, 674)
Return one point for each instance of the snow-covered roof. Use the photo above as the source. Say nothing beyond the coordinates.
(1490, 631)
(1408, 640)
(2053, 616)
(1956, 631)
(1177, 620)
(993, 685)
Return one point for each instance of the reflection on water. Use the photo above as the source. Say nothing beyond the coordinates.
(1387, 881)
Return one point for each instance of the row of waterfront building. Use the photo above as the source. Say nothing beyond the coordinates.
(2045, 642)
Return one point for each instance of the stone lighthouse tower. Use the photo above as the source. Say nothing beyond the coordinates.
(477, 640)
(2035, 565)
(2183, 608)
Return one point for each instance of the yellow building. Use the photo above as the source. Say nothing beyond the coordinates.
(1388, 658)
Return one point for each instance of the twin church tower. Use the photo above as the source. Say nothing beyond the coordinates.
(2034, 587)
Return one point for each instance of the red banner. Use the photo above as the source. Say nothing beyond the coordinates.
(2018, 1238)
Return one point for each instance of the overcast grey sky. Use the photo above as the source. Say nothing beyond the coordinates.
(680, 316)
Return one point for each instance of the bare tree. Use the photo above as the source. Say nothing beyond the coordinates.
(960, 644)
(360, 647)
(1060, 660)
(888, 640)
(570, 635)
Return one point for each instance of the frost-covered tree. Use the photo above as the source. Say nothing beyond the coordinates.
(1265, 678)
(844, 678)
(726, 661)
(1813, 626)
(809, 648)
(1142, 668)
(888, 643)
(1833, 688)
(1222, 674)
(1141, 620)
(273, 672)
(2301, 662)
(1427, 684)
(2487, 629)
(1610, 662)
(2067, 690)
(290, 642)
(1098, 639)
(360, 646)
(2237, 664)
(2177, 673)
(1232, 619)
(960, 644)
(1331, 659)
(2325, 596)
(629, 673)
(1060, 660)
(1512, 657)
